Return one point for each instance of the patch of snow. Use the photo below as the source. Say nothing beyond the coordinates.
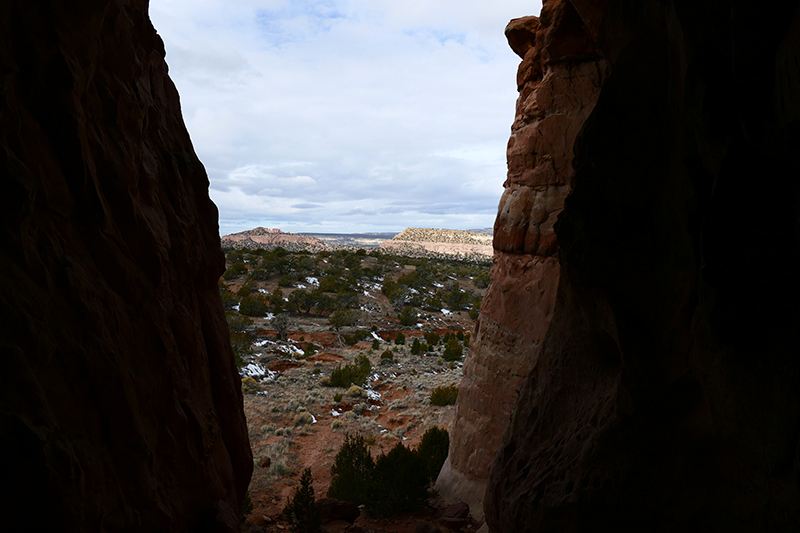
(312, 281)
(375, 335)
(313, 419)
(419, 324)
(269, 316)
(451, 277)
(260, 343)
(301, 286)
(253, 370)
(334, 412)
(367, 294)
(446, 312)
(236, 308)
(263, 291)
(372, 395)
(413, 290)
(438, 285)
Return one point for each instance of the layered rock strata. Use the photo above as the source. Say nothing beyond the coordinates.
(120, 403)
(659, 383)
(441, 243)
(559, 81)
(260, 237)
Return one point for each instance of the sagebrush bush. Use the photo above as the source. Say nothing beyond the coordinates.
(432, 338)
(300, 511)
(387, 354)
(355, 374)
(444, 395)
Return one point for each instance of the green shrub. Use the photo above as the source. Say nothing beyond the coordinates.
(229, 300)
(253, 305)
(453, 350)
(351, 473)
(481, 281)
(433, 450)
(400, 339)
(240, 343)
(376, 344)
(300, 511)
(444, 395)
(236, 269)
(432, 338)
(416, 347)
(310, 350)
(286, 280)
(355, 374)
(399, 483)
(248, 287)
(466, 340)
(387, 354)
(460, 335)
(408, 316)
(337, 397)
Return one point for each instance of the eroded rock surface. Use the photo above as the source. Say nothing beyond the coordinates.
(659, 383)
(558, 83)
(120, 404)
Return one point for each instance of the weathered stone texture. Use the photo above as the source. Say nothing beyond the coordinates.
(120, 404)
(664, 393)
(558, 85)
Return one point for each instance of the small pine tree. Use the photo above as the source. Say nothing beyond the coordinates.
(453, 350)
(351, 473)
(400, 339)
(433, 449)
(300, 511)
(376, 345)
(416, 347)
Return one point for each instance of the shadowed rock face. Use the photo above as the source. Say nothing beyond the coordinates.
(638, 345)
(120, 404)
(559, 81)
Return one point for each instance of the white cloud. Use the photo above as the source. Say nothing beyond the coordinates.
(346, 115)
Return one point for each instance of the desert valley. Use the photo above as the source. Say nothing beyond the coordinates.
(298, 309)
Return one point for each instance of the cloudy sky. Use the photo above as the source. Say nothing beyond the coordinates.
(346, 115)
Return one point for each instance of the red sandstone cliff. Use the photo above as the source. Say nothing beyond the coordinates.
(638, 346)
(120, 404)
(559, 80)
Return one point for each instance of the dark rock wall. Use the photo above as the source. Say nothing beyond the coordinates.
(120, 404)
(666, 393)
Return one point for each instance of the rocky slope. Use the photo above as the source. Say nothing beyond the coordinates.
(261, 237)
(120, 404)
(652, 328)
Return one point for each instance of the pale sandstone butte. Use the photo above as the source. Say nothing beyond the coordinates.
(120, 403)
(558, 80)
(262, 236)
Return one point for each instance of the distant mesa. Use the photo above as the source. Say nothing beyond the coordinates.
(440, 241)
(259, 237)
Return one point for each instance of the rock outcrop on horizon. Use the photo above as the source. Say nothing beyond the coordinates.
(261, 237)
(637, 347)
(120, 402)
(443, 242)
